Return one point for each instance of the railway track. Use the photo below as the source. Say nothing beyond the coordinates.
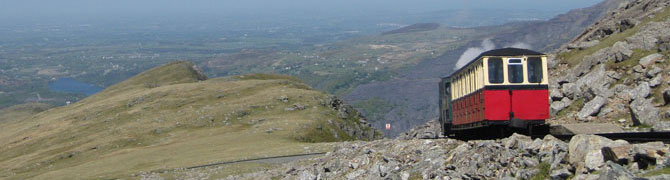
(294, 156)
(273, 159)
(633, 137)
(614, 134)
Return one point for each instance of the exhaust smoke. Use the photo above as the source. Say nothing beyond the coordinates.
(486, 45)
(473, 52)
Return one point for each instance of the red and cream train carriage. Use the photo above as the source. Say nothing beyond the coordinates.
(503, 88)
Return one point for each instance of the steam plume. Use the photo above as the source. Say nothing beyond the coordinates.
(520, 45)
(486, 45)
(473, 52)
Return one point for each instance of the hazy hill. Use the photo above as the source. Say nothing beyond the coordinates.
(171, 117)
(419, 27)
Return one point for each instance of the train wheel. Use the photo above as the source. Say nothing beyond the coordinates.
(503, 132)
(538, 131)
(446, 130)
(457, 135)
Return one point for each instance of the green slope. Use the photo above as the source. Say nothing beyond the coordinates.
(19, 112)
(166, 118)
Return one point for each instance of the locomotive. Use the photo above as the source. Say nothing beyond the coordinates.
(499, 92)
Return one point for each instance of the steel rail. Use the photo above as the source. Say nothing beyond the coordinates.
(253, 159)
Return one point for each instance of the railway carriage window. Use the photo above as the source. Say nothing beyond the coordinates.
(495, 70)
(470, 81)
(515, 70)
(447, 89)
(535, 70)
(474, 79)
(458, 86)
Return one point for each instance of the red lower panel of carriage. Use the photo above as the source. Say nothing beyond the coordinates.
(500, 105)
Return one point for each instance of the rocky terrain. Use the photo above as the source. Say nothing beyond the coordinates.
(516, 157)
(617, 70)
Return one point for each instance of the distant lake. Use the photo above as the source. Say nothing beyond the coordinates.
(70, 85)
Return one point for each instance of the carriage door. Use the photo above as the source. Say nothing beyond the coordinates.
(530, 102)
(514, 76)
(445, 103)
(447, 92)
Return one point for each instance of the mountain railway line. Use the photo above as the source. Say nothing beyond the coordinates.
(263, 159)
(632, 137)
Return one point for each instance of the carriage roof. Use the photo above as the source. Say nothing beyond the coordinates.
(500, 52)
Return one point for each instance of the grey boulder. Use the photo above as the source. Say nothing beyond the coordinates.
(614, 171)
(651, 59)
(592, 107)
(643, 112)
(640, 92)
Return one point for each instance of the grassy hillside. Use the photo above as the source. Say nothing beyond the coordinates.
(166, 118)
(19, 112)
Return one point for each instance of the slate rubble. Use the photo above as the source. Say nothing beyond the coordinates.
(515, 157)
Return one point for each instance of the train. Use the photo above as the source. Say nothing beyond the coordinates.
(500, 92)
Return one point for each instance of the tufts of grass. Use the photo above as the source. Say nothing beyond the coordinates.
(574, 107)
(656, 172)
(662, 16)
(544, 170)
(575, 56)
(415, 176)
(657, 94)
(632, 61)
(627, 64)
(326, 132)
(322, 133)
(643, 126)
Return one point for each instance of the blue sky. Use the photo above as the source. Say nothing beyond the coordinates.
(20, 8)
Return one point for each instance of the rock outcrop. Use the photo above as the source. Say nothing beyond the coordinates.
(619, 81)
(430, 130)
(360, 129)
